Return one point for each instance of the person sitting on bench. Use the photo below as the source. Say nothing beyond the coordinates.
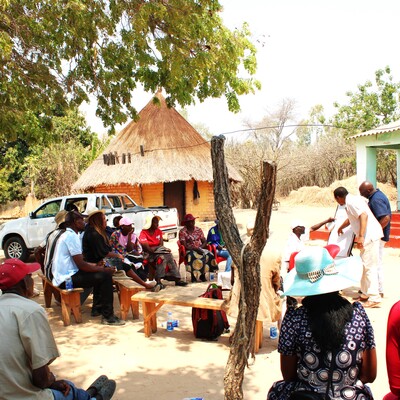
(97, 249)
(67, 262)
(126, 243)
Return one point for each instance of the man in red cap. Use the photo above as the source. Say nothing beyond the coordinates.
(27, 345)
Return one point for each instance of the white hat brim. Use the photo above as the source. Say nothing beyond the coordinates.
(349, 274)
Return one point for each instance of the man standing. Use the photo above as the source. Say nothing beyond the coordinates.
(27, 345)
(380, 207)
(368, 233)
(68, 262)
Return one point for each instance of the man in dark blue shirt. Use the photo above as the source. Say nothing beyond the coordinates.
(380, 207)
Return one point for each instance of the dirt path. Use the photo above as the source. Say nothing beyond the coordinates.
(174, 365)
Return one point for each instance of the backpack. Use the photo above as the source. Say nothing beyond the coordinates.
(209, 324)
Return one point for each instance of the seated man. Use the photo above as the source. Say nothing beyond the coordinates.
(27, 345)
(67, 262)
(296, 240)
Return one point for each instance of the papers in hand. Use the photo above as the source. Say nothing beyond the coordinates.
(129, 262)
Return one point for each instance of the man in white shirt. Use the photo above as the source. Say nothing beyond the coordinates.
(68, 262)
(368, 233)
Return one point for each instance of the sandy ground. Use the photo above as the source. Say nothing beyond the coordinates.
(175, 365)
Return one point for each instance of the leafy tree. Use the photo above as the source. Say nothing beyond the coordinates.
(59, 52)
(12, 171)
(310, 129)
(48, 166)
(52, 169)
(372, 105)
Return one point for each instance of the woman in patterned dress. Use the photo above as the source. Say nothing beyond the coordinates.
(198, 259)
(326, 326)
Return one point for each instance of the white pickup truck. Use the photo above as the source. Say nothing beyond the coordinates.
(19, 237)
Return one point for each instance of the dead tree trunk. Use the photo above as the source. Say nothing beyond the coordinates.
(246, 259)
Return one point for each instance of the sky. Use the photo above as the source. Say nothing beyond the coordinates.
(311, 51)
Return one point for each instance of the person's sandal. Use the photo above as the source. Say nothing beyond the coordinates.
(95, 387)
(156, 288)
(180, 283)
(107, 390)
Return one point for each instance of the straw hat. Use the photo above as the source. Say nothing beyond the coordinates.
(316, 272)
(149, 219)
(60, 217)
(92, 212)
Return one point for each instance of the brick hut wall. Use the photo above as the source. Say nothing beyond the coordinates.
(205, 209)
(151, 195)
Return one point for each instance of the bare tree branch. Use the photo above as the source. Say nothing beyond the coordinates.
(246, 260)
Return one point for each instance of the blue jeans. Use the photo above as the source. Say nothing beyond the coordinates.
(225, 254)
(74, 394)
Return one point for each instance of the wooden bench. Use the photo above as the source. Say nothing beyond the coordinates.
(152, 302)
(126, 288)
(70, 300)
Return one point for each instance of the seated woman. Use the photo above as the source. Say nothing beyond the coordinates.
(326, 329)
(199, 260)
(124, 241)
(157, 255)
(392, 352)
(96, 247)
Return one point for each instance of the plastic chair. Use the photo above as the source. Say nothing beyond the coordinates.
(213, 249)
(182, 253)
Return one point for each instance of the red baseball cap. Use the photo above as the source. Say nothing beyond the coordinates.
(188, 217)
(13, 270)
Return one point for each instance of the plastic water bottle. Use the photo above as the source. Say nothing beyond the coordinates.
(273, 332)
(68, 284)
(170, 322)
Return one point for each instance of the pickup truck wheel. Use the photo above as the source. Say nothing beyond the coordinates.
(15, 248)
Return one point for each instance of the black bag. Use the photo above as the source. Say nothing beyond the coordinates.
(209, 324)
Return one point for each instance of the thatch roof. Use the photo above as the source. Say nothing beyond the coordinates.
(173, 151)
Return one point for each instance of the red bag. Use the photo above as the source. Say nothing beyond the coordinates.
(209, 324)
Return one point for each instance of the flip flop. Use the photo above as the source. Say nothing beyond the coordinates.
(107, 391)
(155, 288)
(95, 387)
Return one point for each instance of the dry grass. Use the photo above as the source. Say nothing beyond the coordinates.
(314, 195)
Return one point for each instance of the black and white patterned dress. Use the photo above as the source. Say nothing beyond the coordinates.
(313, 368)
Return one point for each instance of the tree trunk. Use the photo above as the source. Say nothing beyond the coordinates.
(246, 258)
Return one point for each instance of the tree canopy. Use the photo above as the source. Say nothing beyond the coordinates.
(58, 53)
(375, 103)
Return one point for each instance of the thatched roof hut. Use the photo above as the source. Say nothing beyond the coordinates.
(160, 148)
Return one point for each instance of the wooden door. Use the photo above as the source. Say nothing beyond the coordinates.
(174, 196)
